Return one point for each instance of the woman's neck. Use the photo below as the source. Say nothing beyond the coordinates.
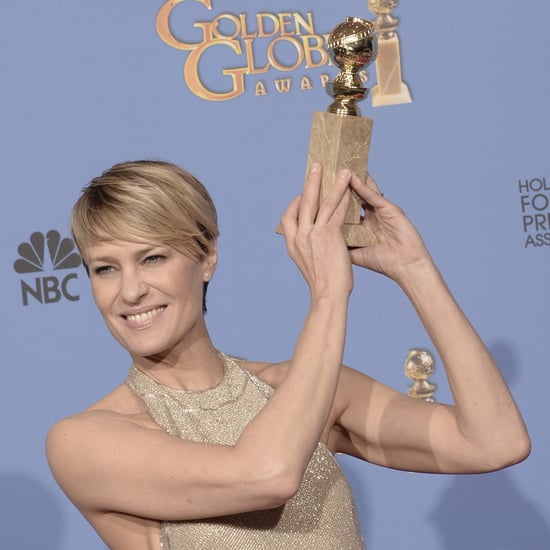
(196, 368)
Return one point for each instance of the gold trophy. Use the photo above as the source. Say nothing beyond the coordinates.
(340, 137)
(419, 366)
(390, 89)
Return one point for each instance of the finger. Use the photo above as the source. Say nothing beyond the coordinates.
(341, 211)
(309, 205)
(372, 184)
(332, 203)
(289, 219)
(368, 191)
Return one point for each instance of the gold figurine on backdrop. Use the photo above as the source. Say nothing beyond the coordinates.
(419, 366)
(390, 88)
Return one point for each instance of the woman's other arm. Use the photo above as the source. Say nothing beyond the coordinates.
(484, 430)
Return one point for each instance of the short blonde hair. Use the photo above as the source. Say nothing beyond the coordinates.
(150, 200)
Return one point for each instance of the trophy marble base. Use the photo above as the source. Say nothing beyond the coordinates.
(339, 142)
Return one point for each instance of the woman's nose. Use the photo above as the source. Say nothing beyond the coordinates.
(132, 287)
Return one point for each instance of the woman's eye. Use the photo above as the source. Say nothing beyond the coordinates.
(155, 258)
(102, 269)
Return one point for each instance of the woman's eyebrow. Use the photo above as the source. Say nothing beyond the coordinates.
(113, 257)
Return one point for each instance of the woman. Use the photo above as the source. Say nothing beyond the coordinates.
(199, 450)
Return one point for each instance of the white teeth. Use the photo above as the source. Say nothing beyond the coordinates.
(141, 317)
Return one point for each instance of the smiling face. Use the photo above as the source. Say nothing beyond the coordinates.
(149, 295)
(147, 233)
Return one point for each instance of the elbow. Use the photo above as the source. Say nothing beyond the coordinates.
(520, 449)
(281, 492)
(517, 446)
(506, 453)
(277, 483)
(282, 487)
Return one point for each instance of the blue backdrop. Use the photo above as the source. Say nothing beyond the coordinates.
(229, 95)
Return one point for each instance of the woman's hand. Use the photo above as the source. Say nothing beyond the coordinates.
(314, 236)
(400, 247)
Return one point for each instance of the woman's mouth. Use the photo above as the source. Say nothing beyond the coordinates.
(144, 318)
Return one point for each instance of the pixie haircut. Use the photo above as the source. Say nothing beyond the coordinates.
(154, 201)
(146, 200)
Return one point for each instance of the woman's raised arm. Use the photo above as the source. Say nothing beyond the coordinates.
(483, 430)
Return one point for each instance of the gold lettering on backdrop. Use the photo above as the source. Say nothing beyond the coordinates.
(314, 45)
(306, 84)
(284, 42)
(283, 85)
(260, 88)
(163, 24)
(191, 74)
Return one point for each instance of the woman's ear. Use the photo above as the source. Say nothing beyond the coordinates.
(210, 261)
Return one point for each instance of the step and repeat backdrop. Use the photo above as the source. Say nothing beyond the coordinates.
(228, 90)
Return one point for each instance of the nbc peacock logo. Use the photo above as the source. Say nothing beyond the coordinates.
(47, 253)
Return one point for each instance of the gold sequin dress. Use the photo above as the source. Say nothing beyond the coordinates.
(321, 516)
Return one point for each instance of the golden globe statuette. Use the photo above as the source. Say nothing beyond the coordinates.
(340, 137)
(419, 366)
(390, 89)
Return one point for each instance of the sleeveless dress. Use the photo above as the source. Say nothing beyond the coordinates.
(321, 516)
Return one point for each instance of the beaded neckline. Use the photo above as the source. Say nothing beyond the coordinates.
(228, 390)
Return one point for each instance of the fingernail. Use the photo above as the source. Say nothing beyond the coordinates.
(315, 167)
(344, 173)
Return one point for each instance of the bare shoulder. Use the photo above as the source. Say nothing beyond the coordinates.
(96, 421)
(84, 449)
(119, 408)
(72, 441)
(68, 437)
(270, 373)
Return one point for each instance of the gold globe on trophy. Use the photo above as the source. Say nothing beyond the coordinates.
(352, 45)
